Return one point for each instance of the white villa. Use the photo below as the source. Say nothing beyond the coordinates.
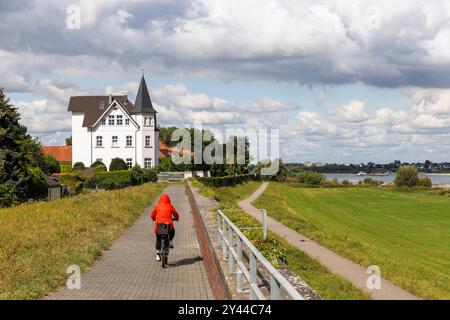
(107, 127)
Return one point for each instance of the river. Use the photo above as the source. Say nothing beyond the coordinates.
(435, 178)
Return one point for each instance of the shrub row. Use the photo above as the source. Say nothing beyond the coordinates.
(226, 181)
(109, 180)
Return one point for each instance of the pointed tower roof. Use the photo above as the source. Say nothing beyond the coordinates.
(143, 102)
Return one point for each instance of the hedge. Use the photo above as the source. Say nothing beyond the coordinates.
(117, 164)
(226, 181)
(110, 180)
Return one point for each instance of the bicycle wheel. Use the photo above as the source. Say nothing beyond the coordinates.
(165, 258)
(163, 253)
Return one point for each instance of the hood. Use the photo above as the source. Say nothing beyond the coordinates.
(164, 199)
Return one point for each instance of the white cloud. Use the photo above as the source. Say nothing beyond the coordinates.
(43, 117)
(352, 112)
(328, 42)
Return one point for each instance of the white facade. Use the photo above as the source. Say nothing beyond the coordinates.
(116, 134)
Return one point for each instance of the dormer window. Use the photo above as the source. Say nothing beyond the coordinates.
(102, 105)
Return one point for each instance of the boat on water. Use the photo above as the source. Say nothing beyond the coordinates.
(372, 174)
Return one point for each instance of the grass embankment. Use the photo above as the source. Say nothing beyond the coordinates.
(39, 241)
(407, 234)
(326, 283)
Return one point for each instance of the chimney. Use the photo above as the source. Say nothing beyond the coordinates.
(110, 98)
(125, 98)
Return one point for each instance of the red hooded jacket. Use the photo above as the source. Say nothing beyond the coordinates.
(163, 212)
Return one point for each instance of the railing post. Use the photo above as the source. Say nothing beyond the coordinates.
(230, 253)
(219, 224)
(238, 267)
(253, 280)
(264, 221)
(274, 289)
(224, 243)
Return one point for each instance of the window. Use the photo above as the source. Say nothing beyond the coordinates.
(148, 141)
(99, 141)
(147, 122)
(111, 120)
(127, 121)
(115, 141)
(119, 120)
(129, 141)
(103, 121)
(129, 163)
(147, 163)
(102, 105)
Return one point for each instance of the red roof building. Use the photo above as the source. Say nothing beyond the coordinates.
(60, 153)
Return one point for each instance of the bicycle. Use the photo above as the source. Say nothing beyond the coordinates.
(163, 235)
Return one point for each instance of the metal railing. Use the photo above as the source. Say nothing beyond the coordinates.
(231, 239)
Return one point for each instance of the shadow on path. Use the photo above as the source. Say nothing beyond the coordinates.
(185, 262)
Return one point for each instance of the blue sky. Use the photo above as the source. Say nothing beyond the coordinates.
(342, 81)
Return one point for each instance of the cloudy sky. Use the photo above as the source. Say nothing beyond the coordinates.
(343, 81)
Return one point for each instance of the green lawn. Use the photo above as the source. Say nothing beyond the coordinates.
(407, 234)
(39, 241)
(326, 283)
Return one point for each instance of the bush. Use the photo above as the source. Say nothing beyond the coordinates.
(226, 181)
(7, 194)
(65, 167)
(406, 176)
(110, 180)
(311, 178)
(37, 187)
(372, 182)
(98, 166)
(150, 175)
(137, 176)
(50, 165)
(346, 183)
(117, 164)
(78, 187)
(79, 166)
(424, 182)
(71, 180)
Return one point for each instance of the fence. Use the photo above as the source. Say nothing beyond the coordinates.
(232, 240)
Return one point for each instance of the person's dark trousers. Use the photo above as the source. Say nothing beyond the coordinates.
(158, 239)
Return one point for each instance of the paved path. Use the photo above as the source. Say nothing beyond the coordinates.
(128, 270)
(334, 262)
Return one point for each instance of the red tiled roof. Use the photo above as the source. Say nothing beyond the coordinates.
(166, 151)
(60, 153)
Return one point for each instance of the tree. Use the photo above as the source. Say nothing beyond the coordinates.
(79, 166)
(50, 165)
(406, 176)
(311, 178)
(32, 149)
(69, 141)
(137, 175)
(281, 175)
(14, 176)
(117, 164)
(98, 166)
(37, 186)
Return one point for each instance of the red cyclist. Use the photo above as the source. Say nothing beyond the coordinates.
(164, 213)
